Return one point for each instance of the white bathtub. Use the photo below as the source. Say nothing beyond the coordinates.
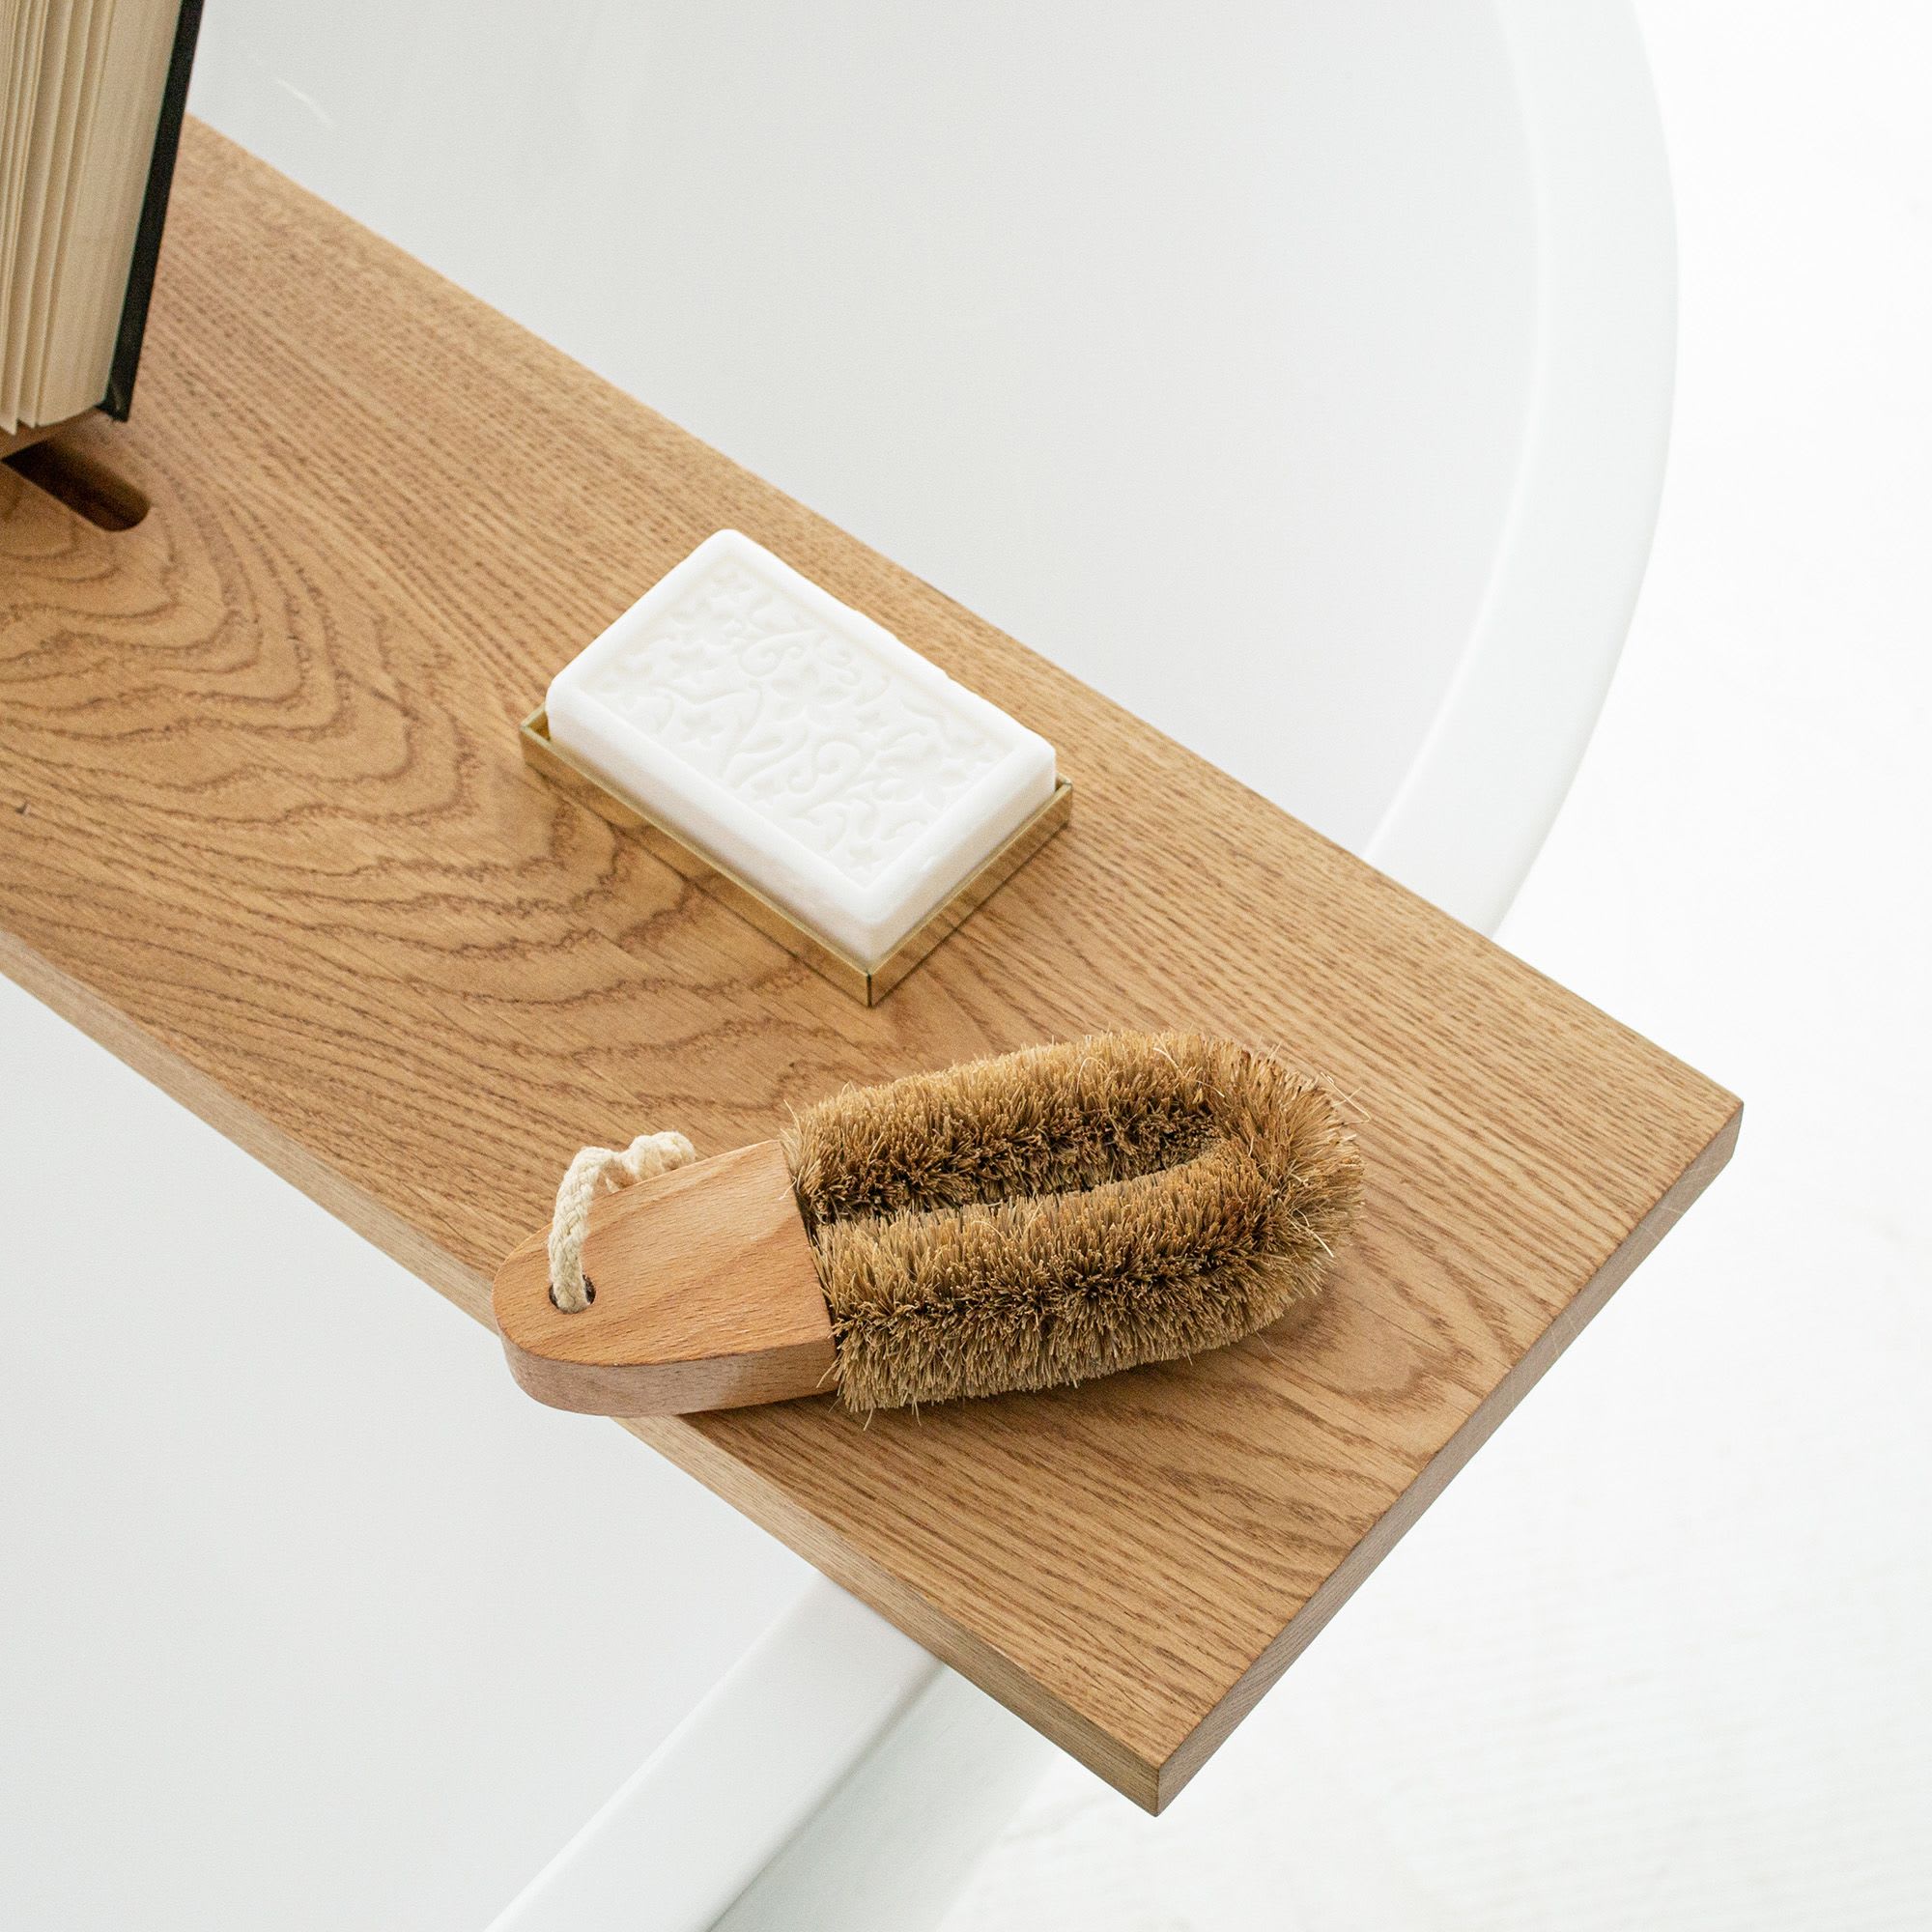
(1301, 379)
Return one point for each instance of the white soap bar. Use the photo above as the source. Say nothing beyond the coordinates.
(801, 744)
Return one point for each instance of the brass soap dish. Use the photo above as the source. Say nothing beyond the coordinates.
(867, 984)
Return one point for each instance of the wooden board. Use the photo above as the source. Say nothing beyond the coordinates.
(265, 830)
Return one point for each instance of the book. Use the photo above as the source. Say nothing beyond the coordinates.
(92, 106)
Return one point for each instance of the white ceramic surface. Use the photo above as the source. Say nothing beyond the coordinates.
(1296, 373)
(1293, 372)
(1658, 1660)
(788, 735)
(295, 1631)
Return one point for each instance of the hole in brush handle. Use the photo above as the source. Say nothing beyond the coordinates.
(707, 1298)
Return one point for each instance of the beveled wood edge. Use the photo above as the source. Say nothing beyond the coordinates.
(867, 984)
(1341, 1582)
(631, 1392)
(204, 1098)
(974, 1658)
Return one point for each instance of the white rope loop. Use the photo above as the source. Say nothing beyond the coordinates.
(598, 1171)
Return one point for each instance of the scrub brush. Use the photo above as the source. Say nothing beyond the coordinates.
(1015, 1223)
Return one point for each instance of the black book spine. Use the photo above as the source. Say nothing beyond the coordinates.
(154, 217)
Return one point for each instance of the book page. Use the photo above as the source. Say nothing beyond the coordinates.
(110, 183)
(16, 23)
(13, 22)
(30, 38)
(86, 51)
(43, 133)
(57, 187)
(49, 70)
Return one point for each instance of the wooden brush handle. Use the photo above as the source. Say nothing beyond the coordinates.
(706, 1296)
(1017, 1223)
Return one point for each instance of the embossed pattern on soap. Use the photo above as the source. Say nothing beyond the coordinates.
(799, 721)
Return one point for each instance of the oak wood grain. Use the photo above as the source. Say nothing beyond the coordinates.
(265, 831)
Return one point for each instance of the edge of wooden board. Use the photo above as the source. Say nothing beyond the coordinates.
(1150, 1783)
(1347, 1576)
(150, 1056)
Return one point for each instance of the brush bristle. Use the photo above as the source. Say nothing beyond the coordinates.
(1065, 1211)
